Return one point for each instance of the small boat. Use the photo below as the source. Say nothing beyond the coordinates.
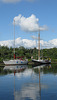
(40, 61)
(16, 61)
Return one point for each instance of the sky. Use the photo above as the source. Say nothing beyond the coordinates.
(30, 16)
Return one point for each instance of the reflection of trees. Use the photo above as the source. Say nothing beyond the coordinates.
(4, 72)
(11, 69)
(49, 69)
(46, 69)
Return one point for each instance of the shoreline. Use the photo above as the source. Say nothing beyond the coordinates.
(29, 63)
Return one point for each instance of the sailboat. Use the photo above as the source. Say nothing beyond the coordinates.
(15, 61)
(40, 61)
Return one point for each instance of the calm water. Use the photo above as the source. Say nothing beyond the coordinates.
(28, 83)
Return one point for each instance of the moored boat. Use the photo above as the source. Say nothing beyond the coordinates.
(40, 61)
(15, 61)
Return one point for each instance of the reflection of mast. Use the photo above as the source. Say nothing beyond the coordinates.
(38, 68)
(14, 85)
(39, 45)
(39, 84)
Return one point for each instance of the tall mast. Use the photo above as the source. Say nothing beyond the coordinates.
(39, 45)
(14, 39)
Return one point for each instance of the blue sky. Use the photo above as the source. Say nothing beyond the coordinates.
(44, 10)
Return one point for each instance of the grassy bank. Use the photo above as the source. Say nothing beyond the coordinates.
(2, 64)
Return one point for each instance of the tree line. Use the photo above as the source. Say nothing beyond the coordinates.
(7, 53)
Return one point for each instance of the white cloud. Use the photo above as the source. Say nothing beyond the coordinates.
(10, 1)
(8, 43)
(29, 43)
(19, 42)
(30, 0)
(34, 37)
(14, 1)
(29, 24)
(49, 44)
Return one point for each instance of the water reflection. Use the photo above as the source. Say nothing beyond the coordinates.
(29, 91)
(18, 67)
(33, 83)
(42, 66)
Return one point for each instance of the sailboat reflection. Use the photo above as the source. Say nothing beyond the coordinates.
(29, 90)
(18, 67)
(26, 85)
(42, 66)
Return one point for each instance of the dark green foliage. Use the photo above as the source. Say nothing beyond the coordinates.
(7, 53)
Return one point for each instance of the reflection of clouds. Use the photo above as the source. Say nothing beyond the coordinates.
(56, 74)
(43, 86)
(30, 91)
(26, 73)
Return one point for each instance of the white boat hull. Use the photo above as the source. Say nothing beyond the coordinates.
(16, 62)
